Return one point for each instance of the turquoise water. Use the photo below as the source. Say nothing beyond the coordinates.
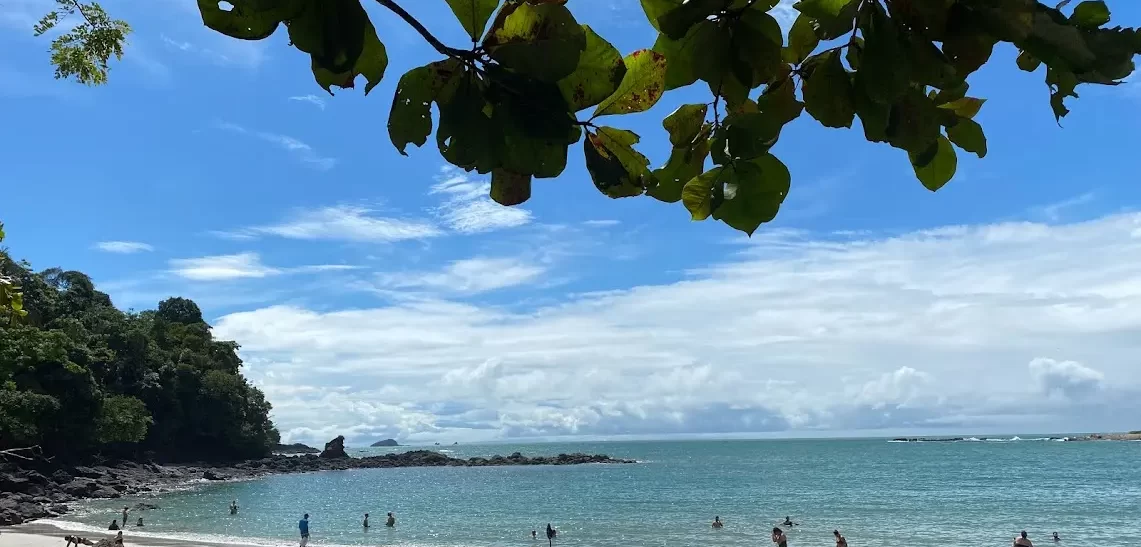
(876, 492)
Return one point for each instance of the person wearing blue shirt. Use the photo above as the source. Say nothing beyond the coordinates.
(303, 526)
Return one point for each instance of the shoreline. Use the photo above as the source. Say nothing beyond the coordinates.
(35, 490)
(49, 535)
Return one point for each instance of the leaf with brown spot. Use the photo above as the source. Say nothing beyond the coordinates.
(599, 73)
(641, 87)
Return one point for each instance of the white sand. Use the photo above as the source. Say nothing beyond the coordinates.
(38, 536)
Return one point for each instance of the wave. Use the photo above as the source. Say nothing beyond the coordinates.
(1014, 439)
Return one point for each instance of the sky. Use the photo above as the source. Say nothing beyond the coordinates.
(378, 296)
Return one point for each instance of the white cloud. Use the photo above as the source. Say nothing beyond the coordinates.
(341, 223)
(240, 266)
(311, 99)
(467, 207)
(928, 330)
(1053, 211)
(302, 151)
(474, 275)
(123, 247)
(605, 223)
(221, 267)
(1065, 378)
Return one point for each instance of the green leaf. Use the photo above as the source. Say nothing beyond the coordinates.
(874, 116)
(341, 43)
(754, 192)
(821, 9)
(686, 161)
(703, 45)
(968, 135)
(599, 73)
(677, 22)
(533, 120)
(697, 195)
(616, 168)
(1028, 62)
(1062, 84)
(410, 121)
(685, 123)
(473, 15)
(967, 107)
(913, 123)
(540, 40)
(758, 40)
(467, 138)
(508, 188)
(802, 40)
(1091, 14)
(828, 91)
(641, 87)
(883, 64)
(247, 19)
(778, 102)
(656, 8)
(935, 166)
(967, 44)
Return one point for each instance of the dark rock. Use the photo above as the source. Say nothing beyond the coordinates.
(58, 509)
(86, 472)
(81, 487)
(144, 507)
(335, 448)
(61, 477)
(295, 448)
(212, 476)
(386, 442)
(103, 492)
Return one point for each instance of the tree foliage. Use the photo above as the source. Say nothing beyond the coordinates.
(83, 52)
(79, 376)
(535, 82)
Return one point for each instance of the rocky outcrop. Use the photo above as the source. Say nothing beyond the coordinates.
(29, 494)
(386, 442)
(335, 448)
(295, 448)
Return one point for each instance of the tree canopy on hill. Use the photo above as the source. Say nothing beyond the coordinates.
(79, 377)
(532, 82)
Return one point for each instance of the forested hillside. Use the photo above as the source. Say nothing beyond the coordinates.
(79, 377)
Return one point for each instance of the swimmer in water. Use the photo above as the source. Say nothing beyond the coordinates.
(841, 541)
(391, 522)
(779, 538)
(1022, 540)
(534, 535)
(717, 523)
(1056, 538)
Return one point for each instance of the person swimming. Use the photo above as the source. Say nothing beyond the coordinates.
(841, 541)
(717, 523)
(391, 522)
(114, 524)
(1056, 538)
(1022, 540)
(788, 522)
(779, 538)
(534, 535)
(140, 522)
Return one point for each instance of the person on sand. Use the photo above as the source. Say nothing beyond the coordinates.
(119, 539)
(365, 523)
(779, 538)
(1056, 538)
(391, 522)
(717, 523)
(114, 525)
(140, 523)
(551, 533)
(303, 527)
(1022, 540)
(841, 541)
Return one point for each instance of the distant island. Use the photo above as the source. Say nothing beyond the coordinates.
(386, 442)
(295, 448)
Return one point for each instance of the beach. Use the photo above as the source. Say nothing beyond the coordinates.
(968, 494)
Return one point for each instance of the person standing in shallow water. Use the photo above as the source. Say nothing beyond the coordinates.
(391, 522)
(125, 511)
(234, 507)
(303, 527)
(779, 538)
(1022, 540)
(114, 524)
(841, 541)
(717, 523)
(365, 523)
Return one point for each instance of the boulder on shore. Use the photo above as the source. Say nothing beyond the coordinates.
(335, 448)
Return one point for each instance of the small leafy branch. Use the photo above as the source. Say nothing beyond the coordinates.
(513, 103)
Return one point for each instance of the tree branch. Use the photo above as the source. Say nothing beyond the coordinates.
(435, 42)
(15, 453)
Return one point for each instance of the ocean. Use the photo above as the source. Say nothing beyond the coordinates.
(876, 492)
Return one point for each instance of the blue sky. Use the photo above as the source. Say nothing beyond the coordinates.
(378, 295)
